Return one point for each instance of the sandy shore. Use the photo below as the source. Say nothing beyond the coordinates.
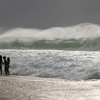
(32, 88)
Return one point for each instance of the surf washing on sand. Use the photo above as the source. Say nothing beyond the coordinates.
(59, 52)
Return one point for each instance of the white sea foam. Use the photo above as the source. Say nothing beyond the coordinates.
(87, 36)
(84, 30)
(54, 63)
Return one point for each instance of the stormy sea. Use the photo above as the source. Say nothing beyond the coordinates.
(61, 60)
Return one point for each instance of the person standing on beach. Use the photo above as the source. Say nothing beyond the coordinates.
(8, 65)
(1, 64)
(5, 63)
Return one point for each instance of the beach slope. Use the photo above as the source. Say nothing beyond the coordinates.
(32, 88)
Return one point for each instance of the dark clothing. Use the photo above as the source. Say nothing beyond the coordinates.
(1, 65)
(8, 66)
(0, 60)
(5, 63)
(1, 69)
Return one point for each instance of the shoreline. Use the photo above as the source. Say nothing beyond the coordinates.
(15, 87)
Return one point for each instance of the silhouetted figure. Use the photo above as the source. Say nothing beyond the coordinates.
(1, 64)
(8, 65)
(5, 63)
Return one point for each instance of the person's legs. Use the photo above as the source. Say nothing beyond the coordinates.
(5, 71)
(1, 70)
(8, 71)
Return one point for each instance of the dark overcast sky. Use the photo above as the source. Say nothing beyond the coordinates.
(48, 13)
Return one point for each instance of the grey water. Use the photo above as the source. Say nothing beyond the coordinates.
(81, 37)
(71, 52)
(70, 65)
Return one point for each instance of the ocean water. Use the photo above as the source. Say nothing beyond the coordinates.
(70, 53)
(70, 65)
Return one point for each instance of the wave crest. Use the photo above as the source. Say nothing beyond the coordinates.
(85, 36)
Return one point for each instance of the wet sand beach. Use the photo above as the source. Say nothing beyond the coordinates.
(33, 88)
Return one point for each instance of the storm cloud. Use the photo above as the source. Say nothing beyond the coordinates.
(43, 14)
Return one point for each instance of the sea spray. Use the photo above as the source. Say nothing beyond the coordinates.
(85, 36)
(70, 65)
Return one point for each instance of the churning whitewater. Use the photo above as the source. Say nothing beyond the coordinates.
(59, 52)
(70, 65)
(85, 36)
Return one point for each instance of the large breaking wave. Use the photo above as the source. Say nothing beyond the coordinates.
(85, 36)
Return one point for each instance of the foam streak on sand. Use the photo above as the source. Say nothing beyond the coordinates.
(32, 88)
